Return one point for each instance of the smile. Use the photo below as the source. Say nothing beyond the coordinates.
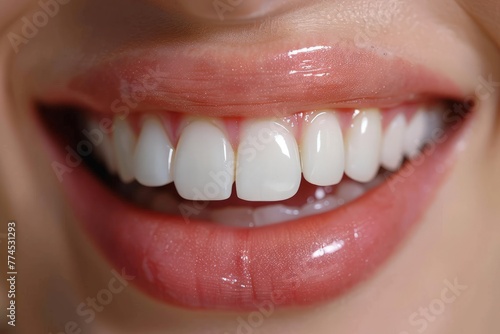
(284, 177)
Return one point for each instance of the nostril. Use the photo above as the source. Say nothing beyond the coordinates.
(232, 11)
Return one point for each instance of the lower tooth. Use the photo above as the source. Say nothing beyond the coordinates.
(249, 217)
(349, 191)
(378, 180)
(326, 204)
(273, 214)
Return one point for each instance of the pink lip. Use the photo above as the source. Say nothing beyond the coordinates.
(250, 85)
(204, 265)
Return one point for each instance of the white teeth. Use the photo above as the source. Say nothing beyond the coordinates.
(415, 134)
(273, 214)
(153, 155)
(322, 150)
(392, 145)
(363, 145)
(204, 163)
(124, 144)
(268, 163)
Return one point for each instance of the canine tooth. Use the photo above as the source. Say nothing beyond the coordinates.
(322, 150)
(268, 162)
(204, 163)
(123, 145)
(363, 145)
(392, 143)
(153, 155)
(415, 134)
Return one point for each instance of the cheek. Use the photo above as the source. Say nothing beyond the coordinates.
(11, 8)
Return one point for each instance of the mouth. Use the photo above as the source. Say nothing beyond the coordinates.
(285, 178)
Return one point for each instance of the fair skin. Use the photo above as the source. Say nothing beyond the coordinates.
(456, 238)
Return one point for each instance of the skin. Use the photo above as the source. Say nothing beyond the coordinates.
(457, 237)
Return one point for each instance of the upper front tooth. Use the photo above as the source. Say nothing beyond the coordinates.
(415, 134)
(322, 150)
(204, 163)
(153, 155)
(124, 144)
(392, 144)
(268, 163)
(363, 145)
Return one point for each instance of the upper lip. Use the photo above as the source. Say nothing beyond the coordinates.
(252, 84)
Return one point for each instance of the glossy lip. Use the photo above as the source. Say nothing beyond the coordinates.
(208, 266)
(267, 83)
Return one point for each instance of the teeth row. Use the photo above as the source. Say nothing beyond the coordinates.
(269, 163)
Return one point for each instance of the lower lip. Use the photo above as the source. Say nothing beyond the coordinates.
(201, 265)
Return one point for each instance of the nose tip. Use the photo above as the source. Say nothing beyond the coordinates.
(232, 10)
